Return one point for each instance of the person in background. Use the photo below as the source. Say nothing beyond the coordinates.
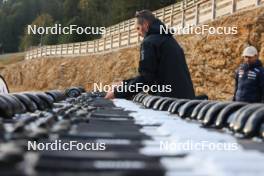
(249, 78)
(162, 62)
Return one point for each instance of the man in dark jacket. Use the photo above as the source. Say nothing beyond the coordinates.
(162, 62)
(249, 79)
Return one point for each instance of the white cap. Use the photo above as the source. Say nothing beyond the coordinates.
(250, 51)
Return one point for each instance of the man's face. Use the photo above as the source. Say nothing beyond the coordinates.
(250, 59)
(142, 29)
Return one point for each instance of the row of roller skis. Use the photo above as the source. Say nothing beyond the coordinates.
(129, 130)
(243, 119)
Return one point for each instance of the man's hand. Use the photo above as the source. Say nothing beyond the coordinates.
(110, 94)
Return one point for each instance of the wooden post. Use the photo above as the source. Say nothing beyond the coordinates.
(37, 52)
(67, 48)
(49, 50)
(171, 15)
(98, 49)
(40, 51)
(128, 34)
(213, 9)
(163, 14)
(94, 46)
(108, 32)
(234, 6)
(116, 29)
(104, 43)
(56, 48)
(71, 48)
(154, 13)
(183, 15)
(43, 51)
(197, 14)
(119, 34)
(61, 49)
(123, 27)
(111, 42)
(87, 47)
(119, 40)
(119, 26)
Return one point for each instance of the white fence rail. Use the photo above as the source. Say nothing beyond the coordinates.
(187, 12)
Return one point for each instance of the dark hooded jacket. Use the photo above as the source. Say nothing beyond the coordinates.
(162, 62)
(249, 83)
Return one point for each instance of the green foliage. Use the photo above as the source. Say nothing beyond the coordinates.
(15, 15)
(36, 39)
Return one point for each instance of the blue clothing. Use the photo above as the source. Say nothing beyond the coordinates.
(249, 86)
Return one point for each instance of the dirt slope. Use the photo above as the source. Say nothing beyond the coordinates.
(212, 60)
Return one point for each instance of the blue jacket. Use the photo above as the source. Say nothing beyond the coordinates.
(249, 85)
